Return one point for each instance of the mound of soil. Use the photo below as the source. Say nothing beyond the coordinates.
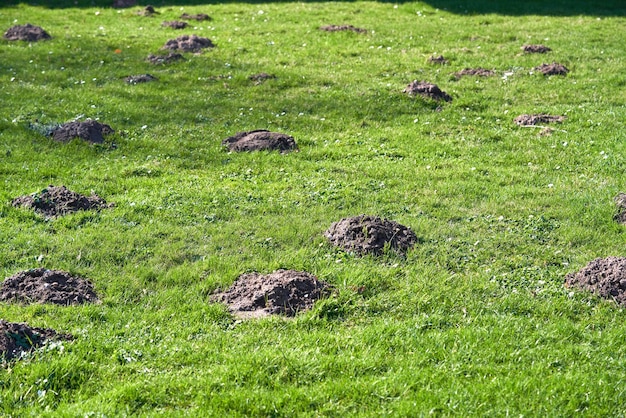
(605, 277)
(164, 59)
(260, 140)
(620, 201)
(175, 24)
(199, 17)
(121, 4)
(89, 130)
(438, 60)
(552, 69)
(481, 72)
(188, 43)
(285, 292)
(142, 78)
(16, 339)
(535, 49)
(530, 120)
(47, 286)
(57, 201)
(27, 32)
(429, 90)
(339, 28)
(148, 11)
(365, 234)
(261, 77)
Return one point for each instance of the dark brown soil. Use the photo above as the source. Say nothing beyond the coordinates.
(429, 90)
(89, 130)
(339, 28)
(199, 17)
(285, 292)
(27, 32)
(481, 72)
(58, 201)
(175, 24)
(148, 11)
(164, 59)
(261, 77)
(260, 140)
(365, 234)
(552, 69)
(438, 60)
(142, 78)
(47, 286)
(16, 339)
(530, 120)
(605, 277)
(620, 201)
(536, 49)
(188, 43)
(121, 4)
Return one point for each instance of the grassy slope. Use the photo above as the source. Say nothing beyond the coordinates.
(474, 321)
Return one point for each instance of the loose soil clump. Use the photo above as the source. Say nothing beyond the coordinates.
(142, 78)
(481, 72)
(261, 77)
(16, 339)
(340, 28)
(365, 234)
(260, 140)
(284, 292)
(164, 59)
(188, 43)
(438, 60)
(531, 120)
(429, 90)
(27, 32)
(535, 49)
(620, 201)
(175, 24)
(552, 69)
(89, 130)
(47, 286)
(198, 17)
(605, 277)
(122, 4)
(56, 201)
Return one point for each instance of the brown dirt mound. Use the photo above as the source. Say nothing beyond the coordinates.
(261, 77)
(164, 59)
(438, 60)
(57, 201)
(429, 90)
(27, 32)
(89, 130)
(199, 17)
(338, 28)
(260, 140)
(552, 69)
(286, 292)
(620, 201)
(605, 277)
(365, 234)
(142, 78)
(175, 24)
(536, 49)
(16, 339)
(481, 72)
(47, 286)
(121, 4)
(188, 43)
(530, 120)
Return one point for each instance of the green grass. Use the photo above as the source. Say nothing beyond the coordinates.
(474, 321)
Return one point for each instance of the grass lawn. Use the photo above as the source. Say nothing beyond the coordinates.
(473, 321)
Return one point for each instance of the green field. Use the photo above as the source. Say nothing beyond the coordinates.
(473, 321)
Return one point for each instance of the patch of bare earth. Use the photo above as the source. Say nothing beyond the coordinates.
(58, 201)
(424, 89)
(261, 77)
(47, 286)
(605, 277)
(164, 59)
(535, 49)
(17, 339)
(286, 292)
(89, 130)
(198, 17)
(438, 60)
(480, 72)
(531, 120)
(620, 201)
(142, 78)
(365, 234)
(175, 24)
(260, 140)
(552, 69)
(188, 43)
(342, 28)
(27, 32)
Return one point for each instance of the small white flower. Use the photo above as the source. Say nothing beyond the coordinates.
(550, 185)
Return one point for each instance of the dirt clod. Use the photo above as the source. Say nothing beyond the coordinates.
(605, 277)
(199, 17)
(142, 78)
(47, 286)
(58, 201)
(164, 59)
(535, 49)
(122, 4)
(261, 77)
(89, 130)
(620, 201)
(438, 60)
(27, 32)
(425, 89)
(552, 69)
(188, 43)
(175, 24)
(285, 292)
(531, 120)
(260, 140)
(364, 234)
(481, 72)
(16, 339)
(340, 28)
